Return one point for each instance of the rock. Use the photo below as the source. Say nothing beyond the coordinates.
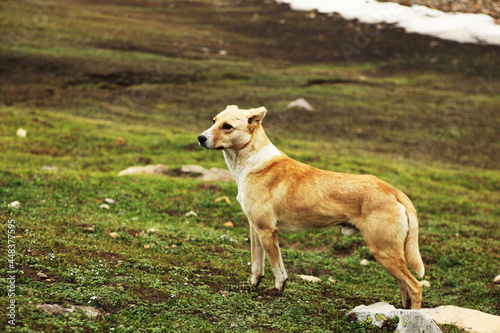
(158, 169)
(89, 229)
(15, 204)
(151, 230)
(110, 201)
(225, 198)
(470, 320)
(191, 213)
(364, 262)
(300, 103)
(309, 278)
(90, 312)
(425, 283)
(21, 132)
(42, 275)
(55, 309)
(496, 280)
(47, 168)
(217, 174)
(191, 168)
(104, 206)
(114, 235)
(229, 224)
(330, 279)
(410, 321)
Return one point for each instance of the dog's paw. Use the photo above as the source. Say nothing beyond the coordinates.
(273, 292)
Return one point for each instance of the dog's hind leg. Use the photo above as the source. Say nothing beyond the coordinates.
(387, 247)
(258, 257)
(269, 240)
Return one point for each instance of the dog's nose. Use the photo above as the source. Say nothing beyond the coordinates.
(202, 139)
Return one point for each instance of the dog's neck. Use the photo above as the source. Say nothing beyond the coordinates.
(258, 151)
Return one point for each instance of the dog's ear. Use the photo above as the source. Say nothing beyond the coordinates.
(256, 116)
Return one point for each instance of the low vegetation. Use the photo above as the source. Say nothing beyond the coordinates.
(100, 86)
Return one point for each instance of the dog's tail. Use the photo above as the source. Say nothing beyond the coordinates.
(412, 253)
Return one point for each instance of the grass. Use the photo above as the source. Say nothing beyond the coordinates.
(115, 91)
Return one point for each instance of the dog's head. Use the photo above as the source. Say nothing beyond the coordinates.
(233, 128)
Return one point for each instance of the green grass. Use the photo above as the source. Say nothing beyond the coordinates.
(115, 91)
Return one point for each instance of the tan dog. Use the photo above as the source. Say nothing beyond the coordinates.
(279, 194)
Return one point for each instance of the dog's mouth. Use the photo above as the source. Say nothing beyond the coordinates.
(219, 148)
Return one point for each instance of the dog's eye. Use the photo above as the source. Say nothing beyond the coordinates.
(227, 127)
(214, 121)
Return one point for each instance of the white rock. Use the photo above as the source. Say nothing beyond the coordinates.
(191, 213)
(470, 320)
(21, 132)
(192, 168)
(90, 312)
(110, 201)
(300, 103)
(364, 262)
(42, 275)
(47, 168)
(217, 174)
(55, 309)
(410, 321)
(309, 278)
(104, 206)
(158, 169)
(15, 204)
(151, 230)
(496, 280)
(425, 283)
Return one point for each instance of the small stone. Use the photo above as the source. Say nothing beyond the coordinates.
(151, 230)
(147, 246)
(191, 213)
(364, 262)
(193, 169)
(225, 198)
(310, 278)
(158, 169)
(21, 132)
(330, 279)
(110, 201)
(89, 229)
(229, 224)
(15, 204)
(47, 168)
(496, 280)
(217, 174)
(425, 283)
(42, 275)
(300, 103)
(114, 235)
(104, 206)
(90, 312)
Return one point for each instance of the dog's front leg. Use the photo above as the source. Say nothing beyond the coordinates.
(258, 257)
(269, 240)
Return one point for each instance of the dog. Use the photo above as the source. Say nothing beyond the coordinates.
(279, 194)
